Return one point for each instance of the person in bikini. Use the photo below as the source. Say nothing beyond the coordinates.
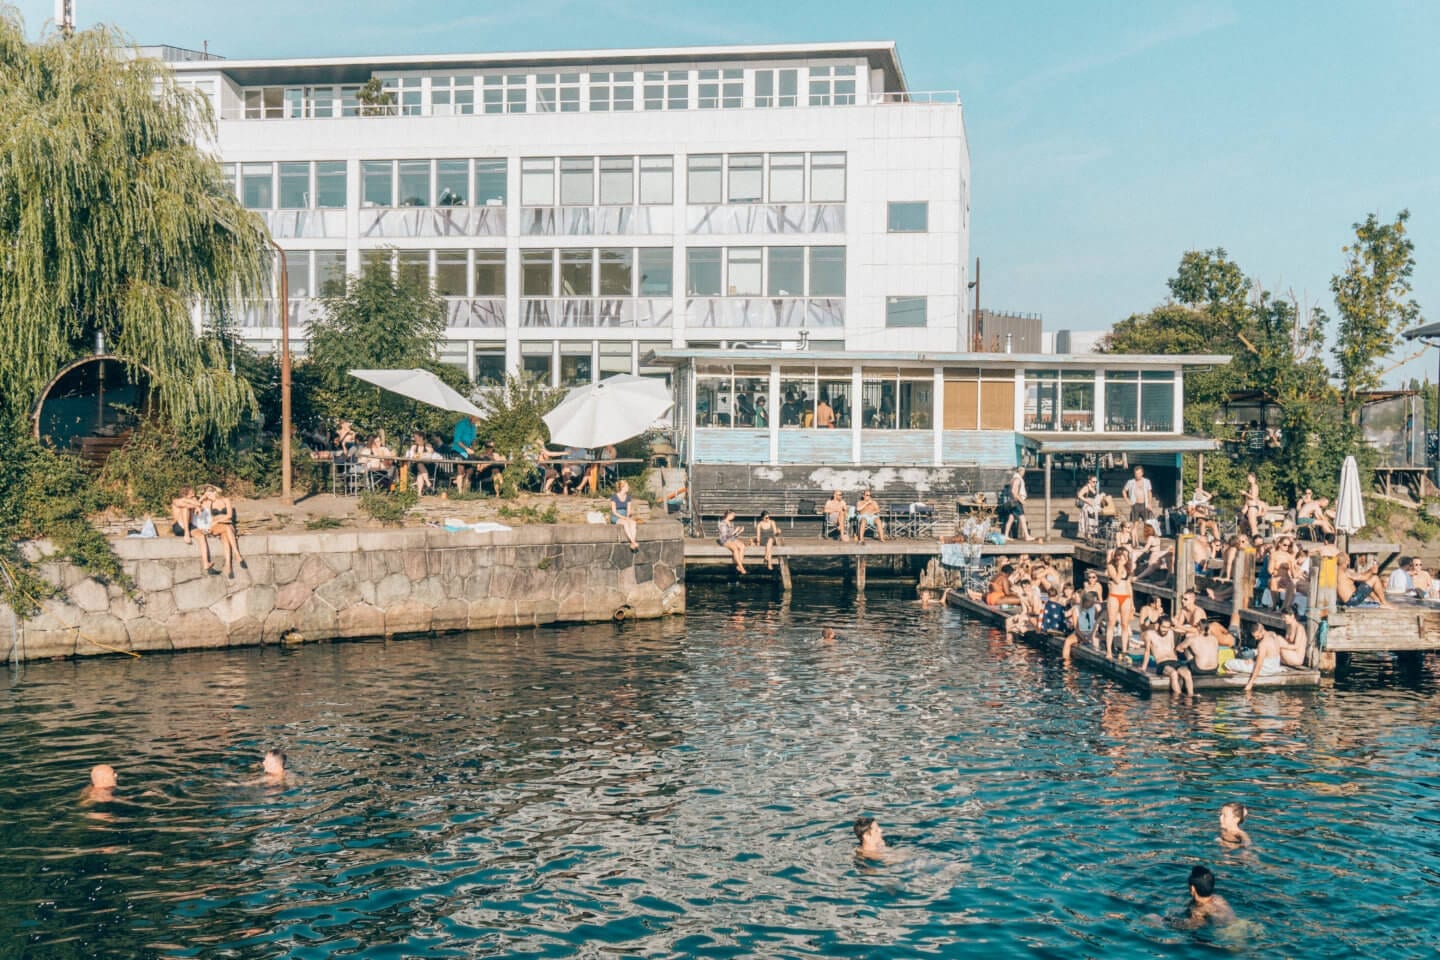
(1160, 645)
(872, 840)
(1119, 606)
(222, 524)
(767, 534)
(1001, 591)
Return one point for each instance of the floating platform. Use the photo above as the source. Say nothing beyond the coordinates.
(1121, 671)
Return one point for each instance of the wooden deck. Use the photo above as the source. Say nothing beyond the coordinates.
(1122, 671)
(703, 550)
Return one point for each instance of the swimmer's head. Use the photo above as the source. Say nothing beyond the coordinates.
(1202, 881)
(274, 763)
(1232, 815)
(864, 825)
(102, 777)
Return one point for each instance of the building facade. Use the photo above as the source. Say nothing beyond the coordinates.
(580, 210)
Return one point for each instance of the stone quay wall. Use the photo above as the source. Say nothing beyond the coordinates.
(332, 585)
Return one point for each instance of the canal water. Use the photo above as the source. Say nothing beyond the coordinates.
(686, 789)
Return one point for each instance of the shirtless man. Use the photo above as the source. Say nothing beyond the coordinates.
(274, 768)
(1273, 649)
(837, 515)
(1160, 645)
(102, 785)
(1309, 508)
(1201, 637)
(1354, 588)
(1206, 906)
(1423, 582)
(872, 841)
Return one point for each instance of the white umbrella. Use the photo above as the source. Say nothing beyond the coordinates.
(1349, 506)
(612, 410)
(420, 385)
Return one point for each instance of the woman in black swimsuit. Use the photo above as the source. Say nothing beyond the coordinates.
(767, 534)
(222, 524)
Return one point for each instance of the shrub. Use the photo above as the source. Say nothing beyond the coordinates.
(388, 508)
(530, 514)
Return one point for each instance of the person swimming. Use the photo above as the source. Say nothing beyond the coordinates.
(1231, 816)
(102, 785)
(274, 767)
(872, 841)
(1206, 906)
(828, 635)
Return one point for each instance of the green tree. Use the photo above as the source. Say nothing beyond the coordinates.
(1373, 302)
(380, 321)
(514, 421)
(113, 222)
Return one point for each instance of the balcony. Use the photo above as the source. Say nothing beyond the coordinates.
(570, 312)
(596, 221)
(766, 313)
(385, 222)
(783, 218)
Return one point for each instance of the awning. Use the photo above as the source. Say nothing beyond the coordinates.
(1119, 443)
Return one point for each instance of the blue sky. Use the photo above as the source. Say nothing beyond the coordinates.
(1106, 138)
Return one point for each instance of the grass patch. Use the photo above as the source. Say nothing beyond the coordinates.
(323, 523)
(530, 514)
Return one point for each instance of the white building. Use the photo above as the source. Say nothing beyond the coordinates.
(579, 209)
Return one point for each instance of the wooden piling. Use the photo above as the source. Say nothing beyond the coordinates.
(860, 574)
(785, 574)
(1323, 602)
(1244, 584)
(1184, 570)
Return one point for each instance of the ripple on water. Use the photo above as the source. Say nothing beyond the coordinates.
(685, 789)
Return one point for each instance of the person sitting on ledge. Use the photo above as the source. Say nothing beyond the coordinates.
(1356, 588)
(837, 516)
(728, 536)
(867, 513)
(1161, 647)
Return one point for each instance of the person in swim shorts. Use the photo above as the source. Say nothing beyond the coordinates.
(1160, 645)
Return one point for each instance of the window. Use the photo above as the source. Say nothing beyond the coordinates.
(330, 184)
(377, 179)
(667, 89)
(537, 273)
(1122, 399)
(827, 272)
(536, 360)
(776, 88)
(905, 312)
(577, 273)
(614, 358)
(537, 181)
(490, 363)
(743, 271)
(896, 401)
(1077, 400)
(657, 180)
(452, 96)
(1056, 400)
(489, 273)
(721, 88)
(612, 91)
(329, 273)
(704, 272)
(264, 103)
(320, 101)
(617, 273)
(827, 178)
(787, 178)
(577, 181)
(575, 363)
(414, 183)
(747, 179)
(617, 181)
(452, 183)
(491, 189)
(909, 217)
(704, 183)
(787, 272)
(504, 94)
(1157, 401)
(297, 274)
(349, 101)
(657, 271)
(294, 103)
(257, 189)
(451, 272)
(832, 85)
(377, 258)
(557, 92)
(733, 398)
(413, 265)
(406, 91)
(836, 395)
(294, 186)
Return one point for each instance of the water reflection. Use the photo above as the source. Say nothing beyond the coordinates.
(685, 788)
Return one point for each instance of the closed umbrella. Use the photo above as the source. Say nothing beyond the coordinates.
(421, 385)
(617, 408)
(1349, 506)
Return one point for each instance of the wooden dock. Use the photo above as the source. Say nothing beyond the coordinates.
(1124, 671)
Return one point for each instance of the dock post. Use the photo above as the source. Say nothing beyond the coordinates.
(860, 574)
(1049, 459)
(1244, 584)
(1323, 600)
(785, 574)
(1184, 570)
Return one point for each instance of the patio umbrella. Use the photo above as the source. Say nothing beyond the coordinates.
(1349, 506)
(612, 410)
(421, 385)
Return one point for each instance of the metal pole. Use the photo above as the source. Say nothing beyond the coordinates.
(979, 342)
(286, 496)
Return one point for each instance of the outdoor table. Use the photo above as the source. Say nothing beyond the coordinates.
(404, 481)
(592, 471)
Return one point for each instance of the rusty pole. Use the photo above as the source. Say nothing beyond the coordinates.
(287, 497)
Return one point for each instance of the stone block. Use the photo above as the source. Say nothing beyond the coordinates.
(572, 607)
(183, 571)
(361, 620)
(292, 596)
(159, 606)
(502, 580)
(646, 602)
(340, 562)
(317, 620)
(417, 564)
(284, 569)
(392, 590)
(663, 576)
(545, 610)
(278, 623)
(314, 572)
(246, 632)
(63, 616)
(147, 635)
(430, 591)
(45, 644)
(477, 585)
(125, 608)
(253, 602)
(456, 563)
(103, 633)
(89, 596)
(262, 570)
(368, 592)
(199, 594)
(644, 572)
(341, 592)
(408, 617)
(153, 575)
(488, 612)
(672, 599)
(450, 615)
(197, 630)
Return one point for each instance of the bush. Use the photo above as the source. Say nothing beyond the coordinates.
(149, 471)
(530, 514)
(388, 508)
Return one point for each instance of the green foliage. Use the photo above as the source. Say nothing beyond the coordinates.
(375, 100)
(45, 495)
(323, 523)
(384, 322)
(514, 421)
(530, 514)
(148, 472)
(1371, 297)
(113, 222)
(390, 509)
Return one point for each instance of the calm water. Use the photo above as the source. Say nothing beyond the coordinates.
(685, 789)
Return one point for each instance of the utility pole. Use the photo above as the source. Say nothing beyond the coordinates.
(287, 497)
(65, 17)
(979, 342)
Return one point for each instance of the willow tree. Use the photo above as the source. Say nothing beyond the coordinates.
(113, 221)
